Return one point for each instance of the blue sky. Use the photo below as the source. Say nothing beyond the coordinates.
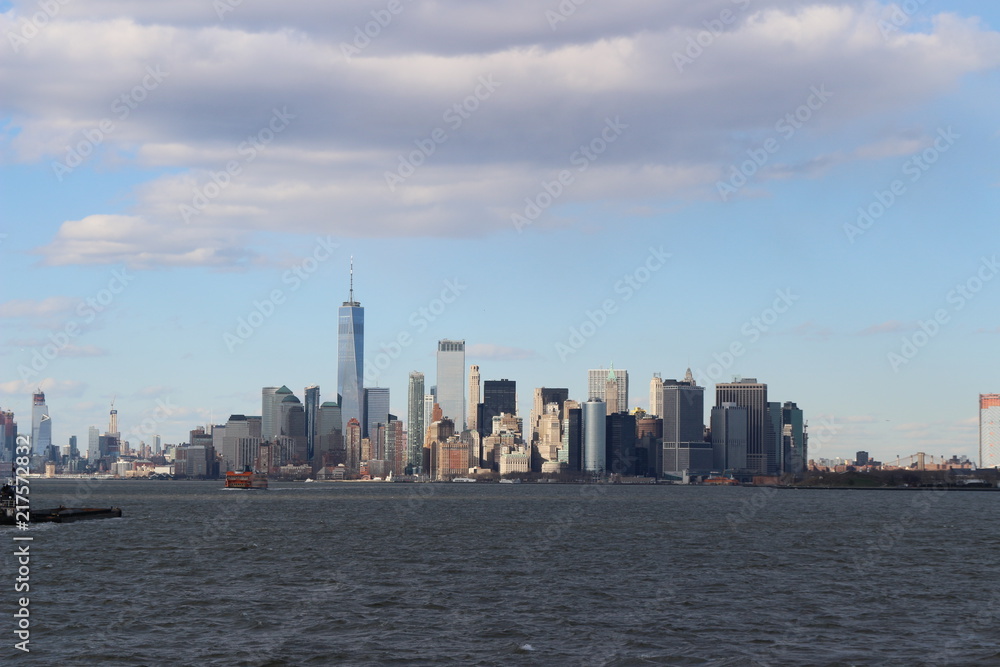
(300, 121)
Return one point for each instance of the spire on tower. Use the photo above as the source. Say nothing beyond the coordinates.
(351, 298)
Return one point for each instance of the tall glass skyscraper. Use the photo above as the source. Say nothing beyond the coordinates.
(415, 420)
(451, 381)
(41, 425)
(594, 436)
(312, 410)
(350, 356)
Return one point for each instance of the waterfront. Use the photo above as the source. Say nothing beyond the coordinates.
(314, 574)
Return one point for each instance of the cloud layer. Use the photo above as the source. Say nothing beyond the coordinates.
(442, 124)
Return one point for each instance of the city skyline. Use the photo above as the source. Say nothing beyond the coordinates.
(177, 232)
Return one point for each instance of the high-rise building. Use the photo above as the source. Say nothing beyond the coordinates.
(752, 395)
(329, 440)
(430, 400)
(451, 380)
(415, 421)
(311, 410)
(597, 383)
(656, 396)
(473, 404)
(93, 443)
(729, 437)
(543, 396)
(292, 428)
(352, 436)
(619, 447)
(794, 441)
(8, 435)
(572, 435)
(350, 356)
(989, 430)
(594, 440)
(684, 446)
(41, 424)
(238, 441)
(499, 396)
(269, 411)
(376, 409)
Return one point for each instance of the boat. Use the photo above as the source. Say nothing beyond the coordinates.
(516, 480)
(9, 514)
(463, 479)
(245, 480)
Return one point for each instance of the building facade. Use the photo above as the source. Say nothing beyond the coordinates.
(989, 430)
(451, 381)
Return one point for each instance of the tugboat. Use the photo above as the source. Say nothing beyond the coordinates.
(246, 480)
(61, 514)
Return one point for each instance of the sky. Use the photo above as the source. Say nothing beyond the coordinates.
(800, 192)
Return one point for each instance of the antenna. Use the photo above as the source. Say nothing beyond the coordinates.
(351, 298)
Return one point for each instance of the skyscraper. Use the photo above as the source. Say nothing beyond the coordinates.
(752, 395)
(729, 437)
(451, 381)
(473, 405)
(989, 430)
(270, 410)
(656, 396)
(572, 435)
(311, 409)
(93, 443)
(597, 381)
(376, 409)
(684, 446)
(415, 420)
(594, 441)
(499, 396)
(41, 425)
(794, 442)
(350, 356)
(8, 435)
(619, 444)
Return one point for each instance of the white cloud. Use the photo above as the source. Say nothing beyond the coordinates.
(352, 120)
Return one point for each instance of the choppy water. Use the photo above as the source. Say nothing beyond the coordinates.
(472, 574)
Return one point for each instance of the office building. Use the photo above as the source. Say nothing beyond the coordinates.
(499, 397)
(451, 380)
(656, 396)
(415, 421)
(619, 448)
(269, 411)
(41, 424)
(376, 409)
(351, 356)
(752, 395)
(794, 441)
(594, 440)
(597, 385)
(473, 404)
(572, 436)
(311, 409)
(729, 437)
(989, 430)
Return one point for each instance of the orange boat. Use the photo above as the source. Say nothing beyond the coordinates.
(246, 480)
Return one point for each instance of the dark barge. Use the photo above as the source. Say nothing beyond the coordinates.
(9, 514)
